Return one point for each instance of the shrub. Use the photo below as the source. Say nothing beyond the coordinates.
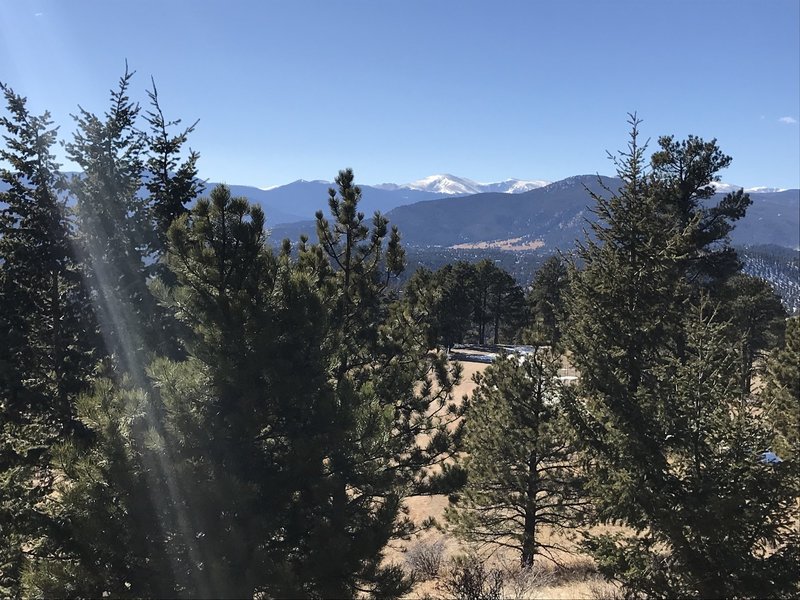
(468, 579)
(425, 559)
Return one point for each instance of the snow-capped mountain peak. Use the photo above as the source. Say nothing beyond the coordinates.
(445, 184)
(761, 189)
(451, 185)
(726, 188)
(514, 186)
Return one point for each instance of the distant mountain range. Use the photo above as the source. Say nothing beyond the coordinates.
(301, 199)
(455, 212)
(552, 217)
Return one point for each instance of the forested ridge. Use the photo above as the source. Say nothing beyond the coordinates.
(187, 410)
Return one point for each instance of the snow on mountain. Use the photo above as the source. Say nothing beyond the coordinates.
(445, 184)
(514, 186)
(389, 187)
(763, 190)
(726, 188)
(452, 185)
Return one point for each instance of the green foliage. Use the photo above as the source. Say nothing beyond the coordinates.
(224, 421)
(108, 519)
(727, 520)
(682, 173)
(196, 469)
(44, 299)
(546, 301)
(672, 450)
(114, 223)
(295, 426)
(523, 480)
(757, 321)
(445, 299)
(464, 301)
(172, 184)
(384, 433)
(781, 395)
(504, 305)
(46, 330)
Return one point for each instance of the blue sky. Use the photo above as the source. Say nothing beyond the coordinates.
(400, 90)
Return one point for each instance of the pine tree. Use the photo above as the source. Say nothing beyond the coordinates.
(685, 171)
(506, 306)
(673, 452)
(193, 466)
(463, 301)
(123, 485)
(524, 480)
(757, 321)
(172, 184)
(722, 523)
(46, 353)
(384, 432)
(482, 292)
(114, 225)
(781, 395)
(546, 300)
(282, 446)
(43, 290)
(112, 506)
(454, 303)
(246, 440)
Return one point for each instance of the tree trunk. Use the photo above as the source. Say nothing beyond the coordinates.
(529, 532)
(747, 369)
(482, 319)
(497, 318)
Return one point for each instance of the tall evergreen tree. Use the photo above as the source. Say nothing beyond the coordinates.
(112, 506)
(506, 306)
(464, 301)
(125, 485)
(171, 182)
(781, 395)
(723, 522)
(482, 292)
(43, 292)
(685, 171)
(114, 224)
(384, 431)
(454, 306)
(546, 300)
(757, 321)
(46, 326)
(237, 440)
(524, 480)
(192, 467)
(674, 454)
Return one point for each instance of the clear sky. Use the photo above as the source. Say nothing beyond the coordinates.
(399, 90)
